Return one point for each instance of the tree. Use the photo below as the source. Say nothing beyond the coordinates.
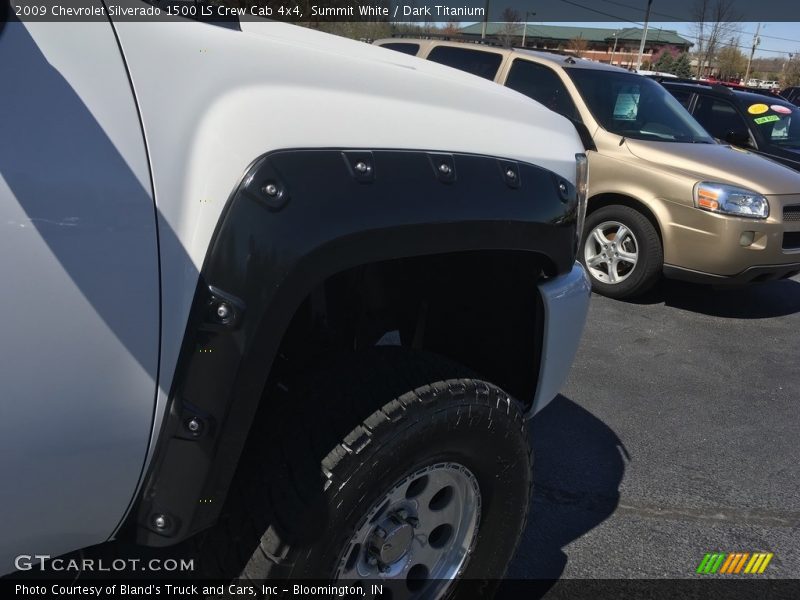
(731, 62)
(791, 75)
(665, 63)
(715, 20)
(510, 27)
(451, 29)
(671, 50)
(682, 67)
(578, 45)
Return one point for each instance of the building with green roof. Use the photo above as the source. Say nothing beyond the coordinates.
(614, 46)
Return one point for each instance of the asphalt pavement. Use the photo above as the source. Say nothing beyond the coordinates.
(677, 434)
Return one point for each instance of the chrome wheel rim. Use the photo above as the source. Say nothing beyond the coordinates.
(419, 535)
(611, 252)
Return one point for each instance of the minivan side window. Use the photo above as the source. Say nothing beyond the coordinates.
(405, 48)
(477, 62)
(543, 85)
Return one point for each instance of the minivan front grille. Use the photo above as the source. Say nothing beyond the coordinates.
(791, 213)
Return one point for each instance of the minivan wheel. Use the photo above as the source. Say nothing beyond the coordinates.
(621, 251)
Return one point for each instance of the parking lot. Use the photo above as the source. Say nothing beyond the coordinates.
(676, 435)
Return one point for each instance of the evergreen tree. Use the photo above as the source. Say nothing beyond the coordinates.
(665, 63)
(682, 66)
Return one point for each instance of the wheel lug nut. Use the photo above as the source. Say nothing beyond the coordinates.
(380, 533)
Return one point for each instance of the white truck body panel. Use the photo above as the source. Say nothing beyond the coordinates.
(79, 262)
(214, 99)
(84, 377)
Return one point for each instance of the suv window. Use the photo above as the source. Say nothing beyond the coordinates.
(792, 94)
(477, 62)
(719, 117)
(682, 96)
(405, 48)
(543, 85)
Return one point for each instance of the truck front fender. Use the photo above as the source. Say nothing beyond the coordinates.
(296, 218)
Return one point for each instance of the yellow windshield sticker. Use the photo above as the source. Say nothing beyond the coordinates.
(767, 119)
(783, 110)
(757, 109)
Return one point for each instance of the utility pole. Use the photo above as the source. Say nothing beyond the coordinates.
(525, 26)
(786, 62)
(614, 49)
(644, 34)
(485, 20)
(756, 42)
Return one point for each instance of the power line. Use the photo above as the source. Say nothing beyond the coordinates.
(683, 19)
(599, 12)
(693, 37)
(660, 14)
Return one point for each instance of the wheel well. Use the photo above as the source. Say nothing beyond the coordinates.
(481, 309)
(601, 200)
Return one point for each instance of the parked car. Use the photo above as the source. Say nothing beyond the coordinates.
(770, 127)
(792, 94)
(297, 322)
(664, 197)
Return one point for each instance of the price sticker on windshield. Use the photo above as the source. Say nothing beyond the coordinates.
(757, 109)
(766, 119)
(783, 110)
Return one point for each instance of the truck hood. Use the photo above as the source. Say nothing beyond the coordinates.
(213, 99)
(719, 162)
(466, 112)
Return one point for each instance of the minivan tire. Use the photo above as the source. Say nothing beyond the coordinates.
(642, 240)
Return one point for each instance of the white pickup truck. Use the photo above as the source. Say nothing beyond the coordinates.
(276, 291)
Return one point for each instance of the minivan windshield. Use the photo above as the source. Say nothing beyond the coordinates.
(636, 107)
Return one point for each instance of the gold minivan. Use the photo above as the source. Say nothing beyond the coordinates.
(664, 196)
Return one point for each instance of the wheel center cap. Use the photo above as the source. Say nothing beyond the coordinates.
(394, 545)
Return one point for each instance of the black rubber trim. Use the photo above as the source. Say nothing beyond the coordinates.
(298, 217)
(756, 274)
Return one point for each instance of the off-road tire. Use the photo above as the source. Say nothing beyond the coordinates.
(320, 456)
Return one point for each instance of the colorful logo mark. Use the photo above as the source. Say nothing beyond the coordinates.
(734, 563)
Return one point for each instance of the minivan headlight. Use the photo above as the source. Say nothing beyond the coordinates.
(582, 192)
(730, 200)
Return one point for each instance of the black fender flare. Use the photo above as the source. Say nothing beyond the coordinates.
(296, 218)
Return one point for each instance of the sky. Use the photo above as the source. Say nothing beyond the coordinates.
(777, 39)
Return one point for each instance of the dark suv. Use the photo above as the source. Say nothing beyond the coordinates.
(792, 94)
(763, 124)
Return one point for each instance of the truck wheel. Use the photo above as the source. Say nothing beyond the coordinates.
(621, 251)
(391, 467)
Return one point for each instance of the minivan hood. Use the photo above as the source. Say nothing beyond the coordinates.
(719, 162)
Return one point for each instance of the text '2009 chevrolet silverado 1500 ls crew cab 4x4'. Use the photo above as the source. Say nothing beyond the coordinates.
(270, 278)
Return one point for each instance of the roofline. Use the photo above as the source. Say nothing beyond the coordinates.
(552, 56)
(636, 38)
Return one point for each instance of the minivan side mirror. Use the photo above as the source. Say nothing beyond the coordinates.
(738, 138)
